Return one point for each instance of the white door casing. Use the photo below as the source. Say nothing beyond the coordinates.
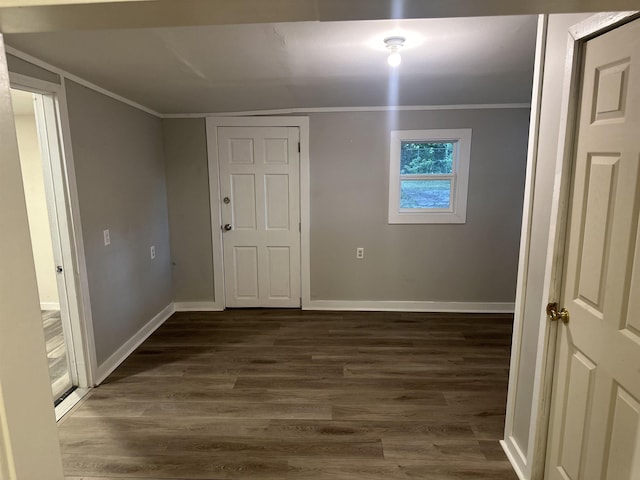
(53, 119)
(594, 430)
(260, 211)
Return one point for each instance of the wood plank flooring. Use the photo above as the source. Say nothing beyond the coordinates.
(286, 394)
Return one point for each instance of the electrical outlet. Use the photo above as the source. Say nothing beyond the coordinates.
(360, 253)
(153, 252)
(107, 237)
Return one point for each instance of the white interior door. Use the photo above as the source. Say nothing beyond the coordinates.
(62, 378)
(259, 186)
(595, 417)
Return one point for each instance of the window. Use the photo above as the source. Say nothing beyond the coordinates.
(429, 175)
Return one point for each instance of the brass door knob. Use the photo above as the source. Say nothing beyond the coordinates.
(554, 314)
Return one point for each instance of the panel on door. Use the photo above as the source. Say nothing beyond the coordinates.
(594, 431)
(259, 178)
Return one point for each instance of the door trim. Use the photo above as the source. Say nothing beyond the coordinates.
(70, 229)
(534, 459)
(517, 457)
(214, 197)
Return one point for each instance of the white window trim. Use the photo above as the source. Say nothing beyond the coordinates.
(460, 177)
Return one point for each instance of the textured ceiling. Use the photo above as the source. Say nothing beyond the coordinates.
(228, 68)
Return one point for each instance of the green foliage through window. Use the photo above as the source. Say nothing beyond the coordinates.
(426, 158)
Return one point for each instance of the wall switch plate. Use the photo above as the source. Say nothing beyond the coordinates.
(107, 237)
(360, 253)
(153, 252)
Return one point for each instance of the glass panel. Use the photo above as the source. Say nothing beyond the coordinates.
(426, 158)
(425, 193)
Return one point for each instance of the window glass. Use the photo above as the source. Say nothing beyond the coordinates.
(425, 194)
(426, 158)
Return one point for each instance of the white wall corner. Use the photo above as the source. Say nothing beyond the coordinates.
(410, 306)
(108, 366)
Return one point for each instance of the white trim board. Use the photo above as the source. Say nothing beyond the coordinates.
(512, 460)
(49, 305)
(410, 306)
(110, 364)
(71, 401)
(390, 108)
(198, 306)
(74, 78)
(517, 458)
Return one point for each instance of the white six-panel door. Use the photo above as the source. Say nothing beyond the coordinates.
(259, 188)
(595, 419)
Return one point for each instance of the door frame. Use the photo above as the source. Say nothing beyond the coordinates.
(534, 459)
(69, 227)
(212, 124)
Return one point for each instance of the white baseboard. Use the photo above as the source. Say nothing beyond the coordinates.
(400, 306)
(198, 306)
(512, 459)
(49, 306)
(107, 367)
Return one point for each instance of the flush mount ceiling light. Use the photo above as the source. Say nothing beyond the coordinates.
(394, 44)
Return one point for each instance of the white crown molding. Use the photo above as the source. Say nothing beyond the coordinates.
(74, 78)
(401, 108)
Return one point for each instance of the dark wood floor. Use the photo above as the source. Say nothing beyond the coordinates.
(285, 394)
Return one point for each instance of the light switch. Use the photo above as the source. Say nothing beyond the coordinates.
(153, 252)
(107, 237)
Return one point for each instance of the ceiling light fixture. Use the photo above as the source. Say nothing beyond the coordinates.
(394, 44)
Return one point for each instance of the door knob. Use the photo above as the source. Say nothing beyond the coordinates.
(227, 227)
(58, 269)
(226, 200)
(555, 315)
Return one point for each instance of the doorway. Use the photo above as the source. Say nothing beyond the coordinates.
(258, 182)
(41, 160)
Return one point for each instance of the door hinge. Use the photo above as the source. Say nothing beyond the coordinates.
(298, 147)
(299, 227)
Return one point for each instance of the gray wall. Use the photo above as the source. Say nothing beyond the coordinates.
(472, 262)
(555, 56)
(119, 162)
(189, 213)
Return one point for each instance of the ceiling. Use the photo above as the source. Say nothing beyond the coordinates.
(232, 68)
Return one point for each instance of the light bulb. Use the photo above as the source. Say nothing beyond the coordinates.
(394, 59)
